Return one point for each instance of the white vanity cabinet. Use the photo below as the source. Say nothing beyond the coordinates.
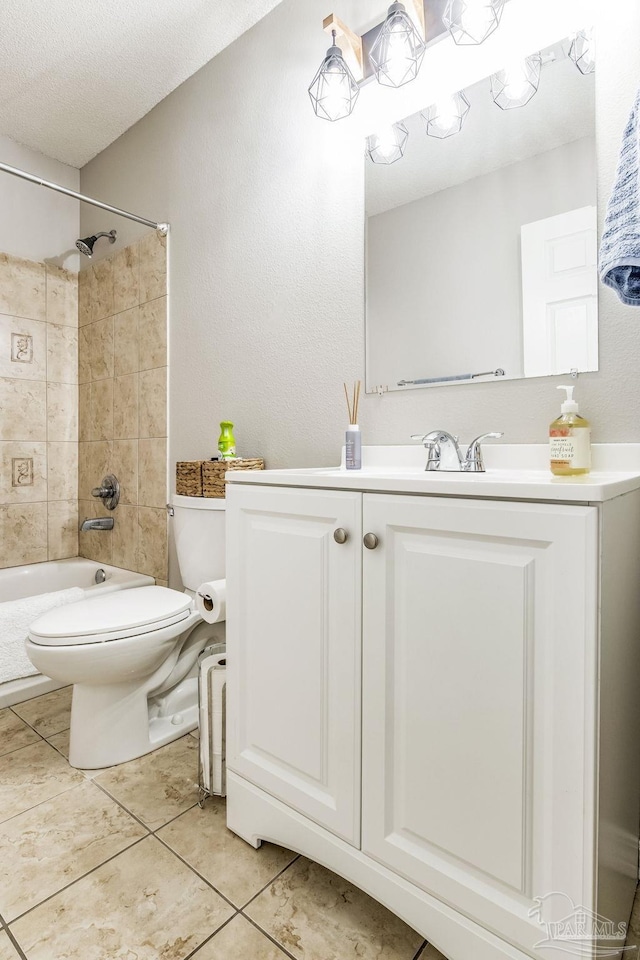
(425, 717)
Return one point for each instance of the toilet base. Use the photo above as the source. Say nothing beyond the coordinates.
(119, 722)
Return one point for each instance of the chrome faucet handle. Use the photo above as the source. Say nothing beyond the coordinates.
(433, 446)
(474, 462)
(444, 452)
(109, 492)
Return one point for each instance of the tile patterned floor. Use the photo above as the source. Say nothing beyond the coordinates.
(122, 863)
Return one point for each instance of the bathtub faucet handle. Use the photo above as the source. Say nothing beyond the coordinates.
(109, 492)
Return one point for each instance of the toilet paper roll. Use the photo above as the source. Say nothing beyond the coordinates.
(211, 600)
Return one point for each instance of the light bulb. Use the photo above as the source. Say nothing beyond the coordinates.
(333, 90)
(472, 21)
(397, 53)
(583, 50)
(517, 82)
(446, 116)
(387, 144)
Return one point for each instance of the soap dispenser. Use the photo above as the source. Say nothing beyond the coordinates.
(570, 440)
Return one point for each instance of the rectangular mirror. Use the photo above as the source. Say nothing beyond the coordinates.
(481, 239)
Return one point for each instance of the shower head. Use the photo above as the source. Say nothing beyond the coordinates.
(86, 245)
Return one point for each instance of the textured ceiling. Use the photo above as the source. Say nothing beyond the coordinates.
(75, 74)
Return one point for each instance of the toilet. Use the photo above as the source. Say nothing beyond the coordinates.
(132, 655)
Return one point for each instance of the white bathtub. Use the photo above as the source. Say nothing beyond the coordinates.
(36, 578)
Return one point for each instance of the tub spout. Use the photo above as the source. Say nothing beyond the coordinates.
(97, 523)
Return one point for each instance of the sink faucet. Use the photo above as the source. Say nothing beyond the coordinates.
(445, 454)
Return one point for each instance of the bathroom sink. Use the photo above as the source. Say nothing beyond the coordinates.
(513, 471)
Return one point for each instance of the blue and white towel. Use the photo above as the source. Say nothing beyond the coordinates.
(620, 247)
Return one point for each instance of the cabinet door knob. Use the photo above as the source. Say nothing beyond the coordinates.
(340, 535)
(370, 541)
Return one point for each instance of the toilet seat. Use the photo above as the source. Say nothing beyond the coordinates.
(125, 613)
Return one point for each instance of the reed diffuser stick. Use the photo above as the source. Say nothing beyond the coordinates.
(352, 405)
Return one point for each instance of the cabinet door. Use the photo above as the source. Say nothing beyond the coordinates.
(479, 679)
(294, 651)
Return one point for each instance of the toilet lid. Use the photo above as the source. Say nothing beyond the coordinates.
(123, 613)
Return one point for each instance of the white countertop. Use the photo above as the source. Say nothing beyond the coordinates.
(516, 472)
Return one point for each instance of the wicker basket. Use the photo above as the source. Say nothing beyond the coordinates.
(213, 473)
(189, 478)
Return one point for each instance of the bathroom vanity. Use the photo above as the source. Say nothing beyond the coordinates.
(433, 687)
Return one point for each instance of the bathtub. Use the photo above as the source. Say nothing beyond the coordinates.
(36, 578)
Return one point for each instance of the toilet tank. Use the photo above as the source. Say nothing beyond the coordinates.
(198, 529)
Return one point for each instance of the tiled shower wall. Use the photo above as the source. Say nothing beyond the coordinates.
(38, 412)
(122, 403)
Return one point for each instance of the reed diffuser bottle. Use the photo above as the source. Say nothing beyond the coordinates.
(353, 440)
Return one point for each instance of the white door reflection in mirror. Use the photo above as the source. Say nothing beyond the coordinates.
(560, 293)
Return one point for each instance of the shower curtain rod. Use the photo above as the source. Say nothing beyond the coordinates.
(16, 172)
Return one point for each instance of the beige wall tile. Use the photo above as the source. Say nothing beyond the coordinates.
(84, 297)
(84, 411)
(84, 354)
(126, 282)
(23, 348)
(153, 266)
(125, 537)
(125, 407)
(101, 289)
(126, 342)
(101, 416)
(62, 411)
(94, 544)
(152, 472)
(152, 545)
(62, 353)
(124, 463)
(23, 406)
(153, 402)
(22, 288)
(23, 533)
(63, 529)
(62, 296)
(62, 459)
(94, 463)
(101, 349)
(23, 472)
(152, 334)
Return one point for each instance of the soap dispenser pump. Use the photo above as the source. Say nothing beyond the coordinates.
(570, 440)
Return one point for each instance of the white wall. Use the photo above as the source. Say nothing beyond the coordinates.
(37, 223)
(266, 207)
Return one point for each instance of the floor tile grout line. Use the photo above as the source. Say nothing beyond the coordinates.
(34, 806)
(77, 880)
(120, 804)
(421, 950)
(199, 875)
(15, 749)
(211, 936)
(14, 942)
(268, 936)
(279, 874)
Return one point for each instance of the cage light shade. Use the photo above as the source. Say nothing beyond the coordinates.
(517, 83)
(333, 90)
(396, 55)
(583, 51)
(445, 117)
(388, 144)
(472, 21)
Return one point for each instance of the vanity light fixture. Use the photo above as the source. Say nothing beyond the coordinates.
(445, 117)
(396, 55)
(583, 50)
(472, 21)
(333, 90)
(388, 144)
(517, 83)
